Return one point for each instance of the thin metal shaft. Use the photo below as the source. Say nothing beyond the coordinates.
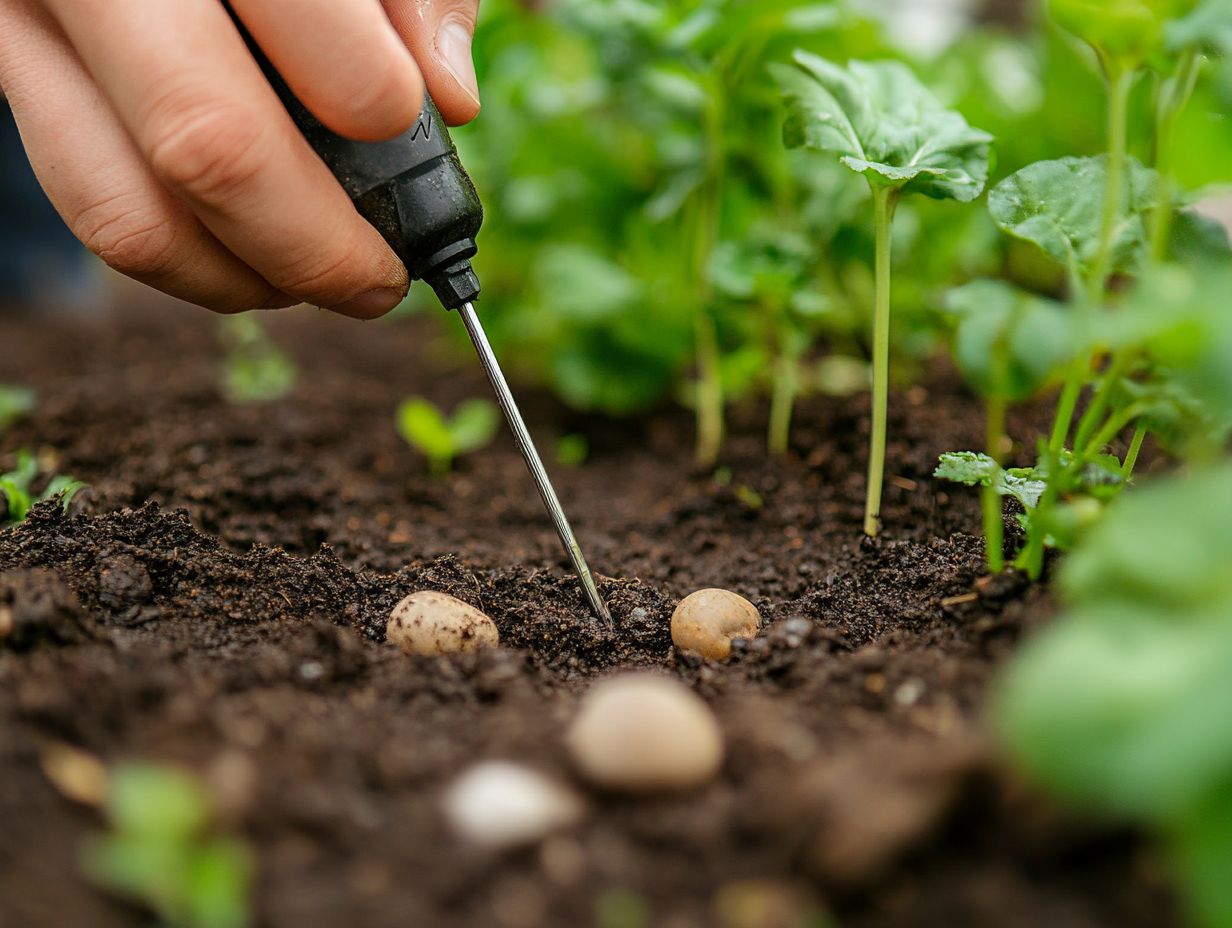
(533, 462)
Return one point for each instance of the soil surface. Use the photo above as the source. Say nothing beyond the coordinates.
(218, 600)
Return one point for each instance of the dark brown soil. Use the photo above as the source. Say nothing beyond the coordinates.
(220, 603)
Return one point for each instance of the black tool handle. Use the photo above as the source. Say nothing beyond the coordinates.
(412, 189)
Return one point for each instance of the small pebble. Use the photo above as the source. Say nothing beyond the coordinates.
(499, 804)
(641, 733)
(430, 623)
(705, 623)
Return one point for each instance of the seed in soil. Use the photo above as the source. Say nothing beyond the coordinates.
(499, 804)
(431, 623)
(643, 733)
(705, 623)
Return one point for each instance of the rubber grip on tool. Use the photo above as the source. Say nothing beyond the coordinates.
(412, 188)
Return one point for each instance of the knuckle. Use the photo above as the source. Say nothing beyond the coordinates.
(132, 237)
(210, 149)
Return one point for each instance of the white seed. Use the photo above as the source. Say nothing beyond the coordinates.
(499, 804)
(641, 732)
(431, 623)
(705, 623)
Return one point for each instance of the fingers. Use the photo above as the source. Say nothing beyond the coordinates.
(439, 33)
(96, 179)
(344, 61)
(203, 117)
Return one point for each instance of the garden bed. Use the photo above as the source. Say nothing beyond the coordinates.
(221, 603)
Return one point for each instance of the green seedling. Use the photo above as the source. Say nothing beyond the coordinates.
(15, 402)
(441, 439)
(884, 124)
(254, 369)
(162, 851)
(572, 450)
(17, 493)
(768, 273)
(1009, 345)
(1124, 704)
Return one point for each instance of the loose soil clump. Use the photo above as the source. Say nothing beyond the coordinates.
(219, 600)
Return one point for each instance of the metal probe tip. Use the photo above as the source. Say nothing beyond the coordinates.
(534, 463)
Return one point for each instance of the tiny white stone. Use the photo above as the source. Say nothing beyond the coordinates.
(499, 804)
(640, 732)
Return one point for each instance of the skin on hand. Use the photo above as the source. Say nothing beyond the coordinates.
(158, 139)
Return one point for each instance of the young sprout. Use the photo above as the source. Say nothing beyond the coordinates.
(162, 851)
(884, 124)
(15, 402)
(254, 369)
(17, 494)
(425, 427)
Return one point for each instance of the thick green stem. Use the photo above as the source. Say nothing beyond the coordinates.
(709, 396)
(1120, 82)
(782, 399)
(884, 199)
(1135, 448)
(994, 525)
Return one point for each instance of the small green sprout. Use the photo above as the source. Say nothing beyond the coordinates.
(254, 369)
(425, 427)
(15, 402)
(572, 450)
(17, 494)
(161, 851)
(884, 124)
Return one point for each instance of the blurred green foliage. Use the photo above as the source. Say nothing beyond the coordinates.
(1124, 705)
(253, 368)
(162, 851)
(630, 159)
(15, 402)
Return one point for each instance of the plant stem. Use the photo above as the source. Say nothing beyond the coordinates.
(994, 525)
(1099, 402)
(1120, 83)
(1135, 448)
(782, 399)
(709, 391)
(884, 200)
(1174, 96)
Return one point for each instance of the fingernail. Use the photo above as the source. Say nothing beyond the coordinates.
(372, 303)
(453, 50)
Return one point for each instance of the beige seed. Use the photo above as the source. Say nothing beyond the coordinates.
(430, 623)
(705, 623)
(641, 733)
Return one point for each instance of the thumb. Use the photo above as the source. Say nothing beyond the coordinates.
(439, 34)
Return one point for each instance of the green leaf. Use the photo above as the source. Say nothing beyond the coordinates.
(1202, 845)
(473, 425)
(156, 802)
(1058, 206)
(1208, 27)
(15, 402)
(1169, 544)
(17, 500)
(218, 885)
(974, 469)
(1009, 343)
(423, 427)
(1123, 706)
(883, 123)
(1126, 32)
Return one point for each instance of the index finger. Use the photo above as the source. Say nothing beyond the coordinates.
(197, 105)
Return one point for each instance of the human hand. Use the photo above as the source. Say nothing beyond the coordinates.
(161, 144)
